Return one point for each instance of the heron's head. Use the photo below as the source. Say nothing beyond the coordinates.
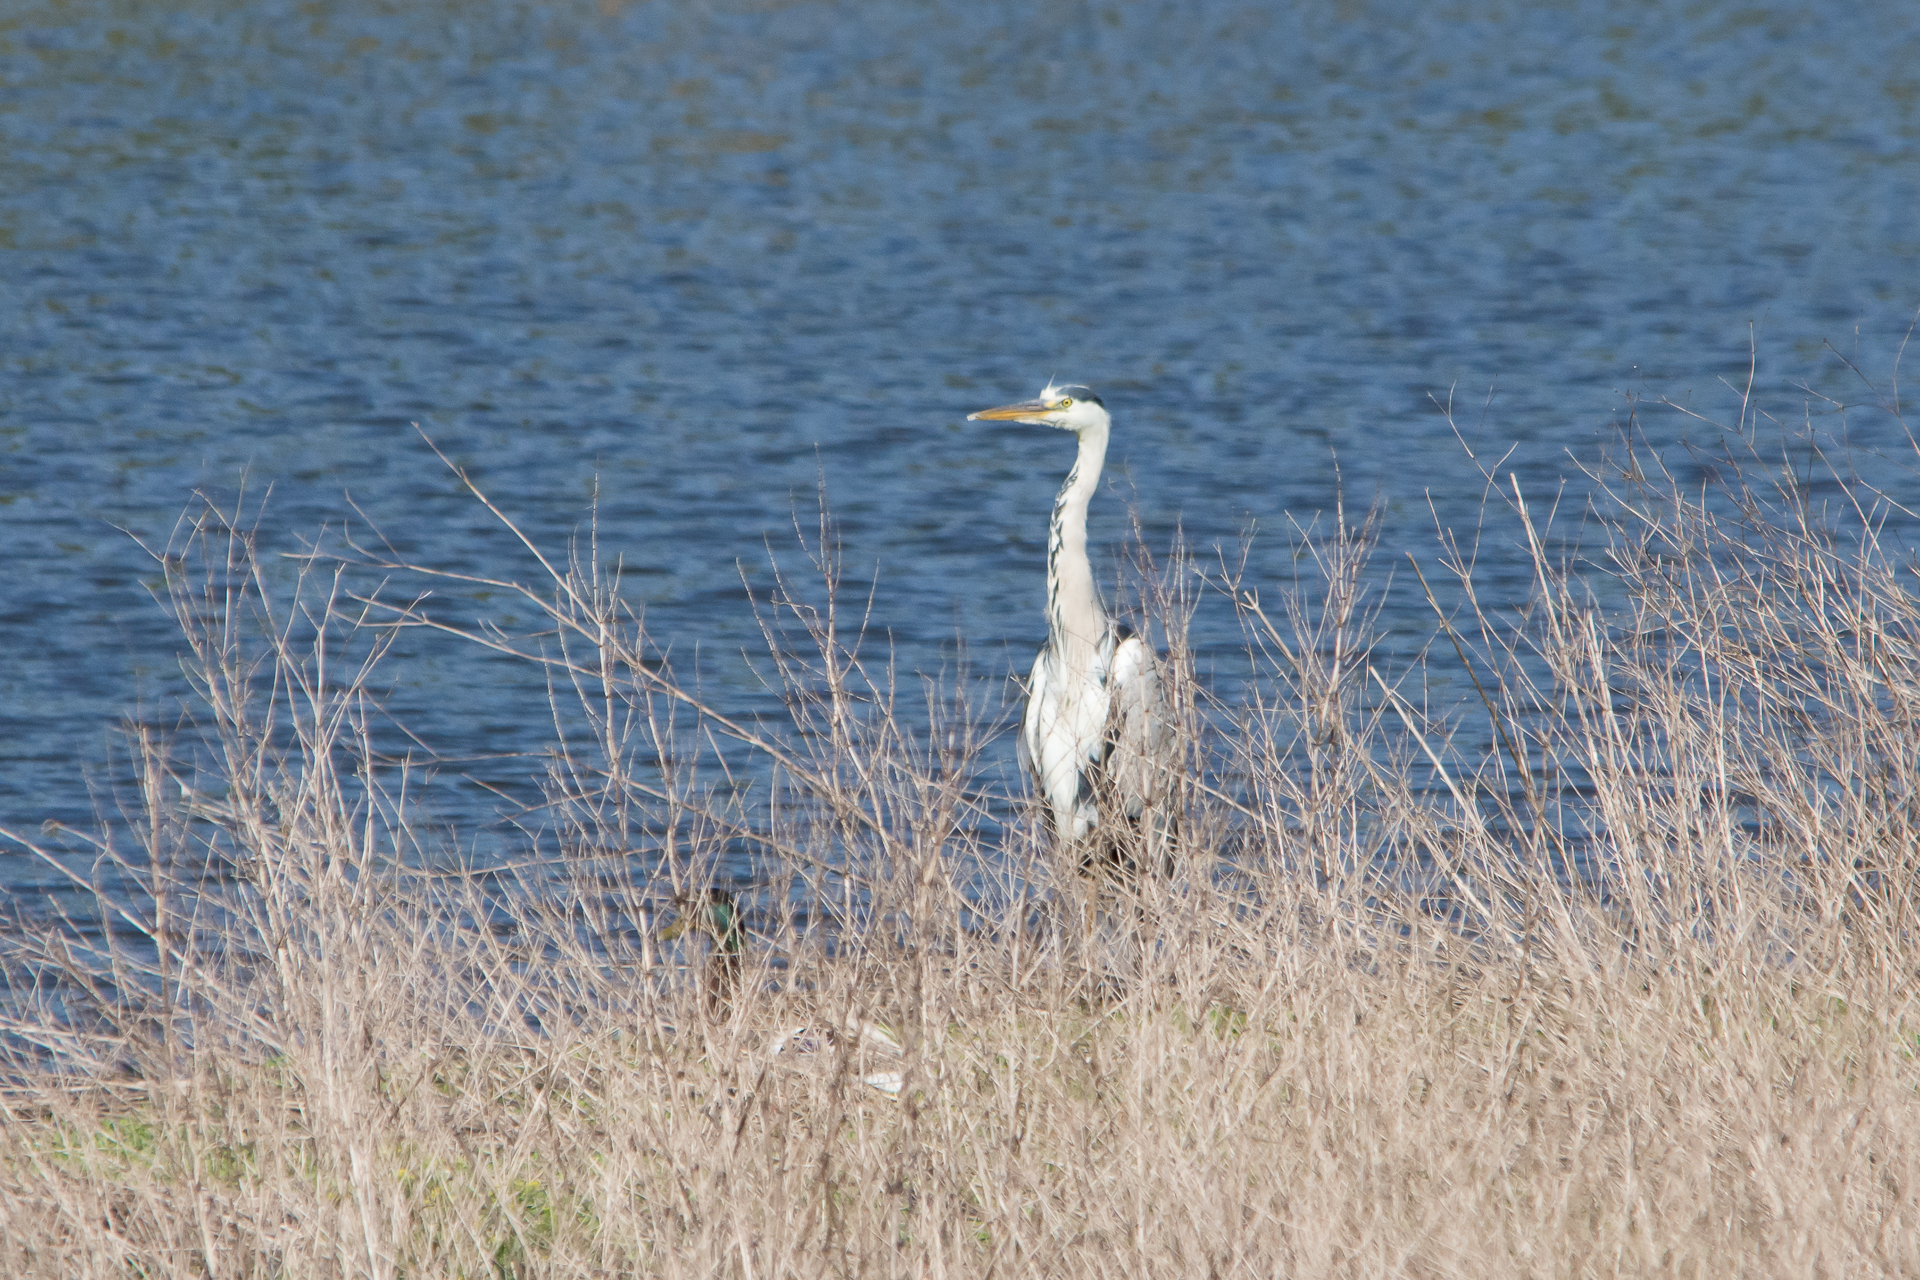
(1071, 408)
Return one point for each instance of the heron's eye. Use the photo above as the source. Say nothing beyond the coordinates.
(1065, 401)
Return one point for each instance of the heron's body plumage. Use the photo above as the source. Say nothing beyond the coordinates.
(1084, 733)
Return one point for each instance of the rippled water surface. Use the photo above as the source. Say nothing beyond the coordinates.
(714, 255)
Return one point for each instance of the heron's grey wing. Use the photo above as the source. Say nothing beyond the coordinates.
(1139, 729)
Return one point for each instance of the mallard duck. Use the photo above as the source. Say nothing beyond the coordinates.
(713, 912)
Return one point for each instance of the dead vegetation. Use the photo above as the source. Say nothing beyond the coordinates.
(1628, 993)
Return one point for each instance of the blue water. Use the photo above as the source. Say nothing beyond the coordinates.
(717, 255)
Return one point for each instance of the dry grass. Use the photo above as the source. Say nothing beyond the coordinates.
(1632, 994)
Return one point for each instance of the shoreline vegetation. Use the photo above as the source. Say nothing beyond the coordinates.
(1632, 993)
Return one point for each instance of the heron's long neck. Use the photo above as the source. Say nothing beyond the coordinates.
(1075, 619)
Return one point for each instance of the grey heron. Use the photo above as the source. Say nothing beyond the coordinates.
(1096, 734)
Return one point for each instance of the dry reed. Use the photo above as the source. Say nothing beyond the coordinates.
(1629, 993)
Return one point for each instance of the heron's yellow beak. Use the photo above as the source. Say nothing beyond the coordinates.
(1025, 411)
(674, 930)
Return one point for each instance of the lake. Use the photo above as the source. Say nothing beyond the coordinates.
(714, 258)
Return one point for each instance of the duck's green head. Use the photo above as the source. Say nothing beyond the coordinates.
(713, 913)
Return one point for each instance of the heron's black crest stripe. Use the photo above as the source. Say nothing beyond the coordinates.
(1079, 392)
